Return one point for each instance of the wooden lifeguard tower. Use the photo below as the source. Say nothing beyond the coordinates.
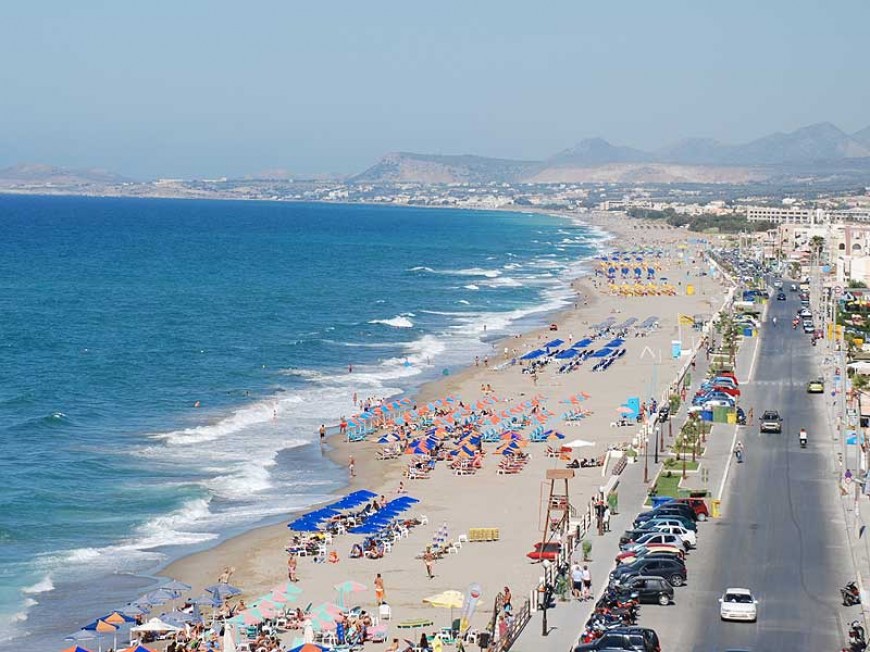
(558, 505)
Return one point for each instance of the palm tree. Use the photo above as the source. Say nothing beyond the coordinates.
(817, 244)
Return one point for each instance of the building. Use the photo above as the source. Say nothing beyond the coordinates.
(788, 215)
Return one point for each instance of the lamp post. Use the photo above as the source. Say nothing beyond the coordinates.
(656, 430)
(544, 592)
(645, 456)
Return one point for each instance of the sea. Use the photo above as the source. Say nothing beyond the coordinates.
(165, 366)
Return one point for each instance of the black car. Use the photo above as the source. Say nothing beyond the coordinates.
(670, 568)
(639, 639)
(780, 296)
(649, 589)
(668, 509)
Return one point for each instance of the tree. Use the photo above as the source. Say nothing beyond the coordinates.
(817, 244)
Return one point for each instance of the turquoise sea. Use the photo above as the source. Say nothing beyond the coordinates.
(118, 315)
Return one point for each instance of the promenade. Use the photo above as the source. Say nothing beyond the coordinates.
(566, 621)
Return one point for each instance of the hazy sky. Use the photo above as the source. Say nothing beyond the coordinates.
(207, 88)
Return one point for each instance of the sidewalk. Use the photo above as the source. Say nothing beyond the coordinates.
(567, 619)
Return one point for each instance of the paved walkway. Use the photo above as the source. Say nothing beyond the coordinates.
(568, 618)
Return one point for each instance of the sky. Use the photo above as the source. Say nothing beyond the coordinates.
(209, 88)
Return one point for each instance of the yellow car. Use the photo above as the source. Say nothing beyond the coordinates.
(816, 386)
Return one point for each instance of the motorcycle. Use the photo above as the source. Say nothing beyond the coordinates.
(850, 595)
(857, 642)
(803, 438)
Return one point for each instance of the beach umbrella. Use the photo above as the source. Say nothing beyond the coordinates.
(321, 621)
(102, 627)
(136, 609)
(222, 590)
(175, 585)
(81, 635)
(578, 443)
(208, 600)
(346, 587)
(160, 596)
(308, 647)
(137, 648)
(252, 616)
(118, 618)
(75, 648)
(449, 599)
(552, 435)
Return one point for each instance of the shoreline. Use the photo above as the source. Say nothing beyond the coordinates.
(423, 393)
(258, 555)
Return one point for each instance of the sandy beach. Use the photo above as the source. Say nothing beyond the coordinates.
(513, 503)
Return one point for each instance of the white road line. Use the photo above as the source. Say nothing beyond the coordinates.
(754, 358)
(727, 465)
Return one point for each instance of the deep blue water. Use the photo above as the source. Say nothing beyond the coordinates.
(117, 315)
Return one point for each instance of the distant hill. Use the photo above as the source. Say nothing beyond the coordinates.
(597, 151)
(862, 136)
(399, 167)
(37, 174)
(693, 160)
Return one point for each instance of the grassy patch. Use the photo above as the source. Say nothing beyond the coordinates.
(673, 464)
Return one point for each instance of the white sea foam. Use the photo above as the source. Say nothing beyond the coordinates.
(471, 286)
(42, 586)
(396, 322)
(503, 282)
(464, 302)
(469, 271)
(245, 417)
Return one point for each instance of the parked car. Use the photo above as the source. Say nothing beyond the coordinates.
(639, 639)
(654, 537)
(738, 604)
(637, 552)
(672, 508)
(699, 505)
(689, 537)
(669, 520)
(673, 570)
(650, 589)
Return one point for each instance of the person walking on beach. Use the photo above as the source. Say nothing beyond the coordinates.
(429, 560)
(322, 433)
(380, 595)
(351, 467)
(292, 562)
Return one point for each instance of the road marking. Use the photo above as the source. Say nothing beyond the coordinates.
(727, 465)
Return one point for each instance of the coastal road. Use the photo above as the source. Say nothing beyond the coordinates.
(782, 533)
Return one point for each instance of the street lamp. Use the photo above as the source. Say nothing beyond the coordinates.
(545, 592)
(645, 456)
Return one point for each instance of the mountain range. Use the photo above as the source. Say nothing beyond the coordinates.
(822, 145)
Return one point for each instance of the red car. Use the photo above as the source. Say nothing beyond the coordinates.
(698, 505)
(549, 551)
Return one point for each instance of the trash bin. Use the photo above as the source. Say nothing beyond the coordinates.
(658, 501)
(715, 508)
(732, 417)
(747, 331)
(483, 640)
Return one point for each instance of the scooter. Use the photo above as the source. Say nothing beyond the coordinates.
(856, 636)
(803, 438)
(850, 595)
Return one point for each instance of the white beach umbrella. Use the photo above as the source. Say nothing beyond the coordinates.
(579, 443)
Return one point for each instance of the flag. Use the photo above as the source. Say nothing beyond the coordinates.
(686, 320)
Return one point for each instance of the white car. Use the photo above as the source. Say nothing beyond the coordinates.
(687, 536)
(738, 604)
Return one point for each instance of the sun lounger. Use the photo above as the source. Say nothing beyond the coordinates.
(416, 474)
(478, 534)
